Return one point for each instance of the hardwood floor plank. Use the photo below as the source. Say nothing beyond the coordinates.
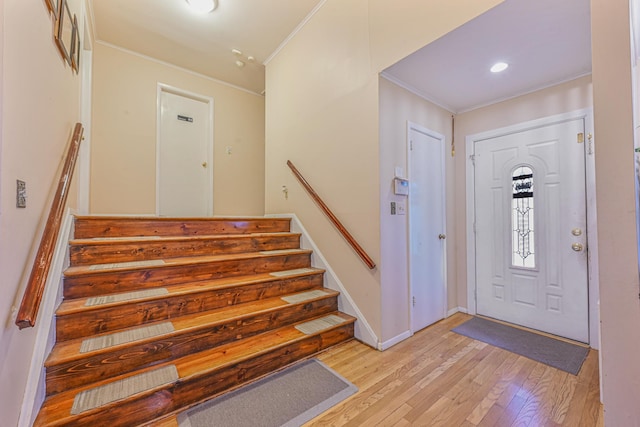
(394, 417)
(441, 378)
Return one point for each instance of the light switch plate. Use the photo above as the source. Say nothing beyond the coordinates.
(21, 194)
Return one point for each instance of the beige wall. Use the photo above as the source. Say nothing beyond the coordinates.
(39, 108)
(397, 106)
(322, 114)
(123, 147)
(563, 98)
(619, 287)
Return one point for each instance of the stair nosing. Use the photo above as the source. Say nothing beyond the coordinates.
(99, 241)
(79, 356)
(83, 270)
(200, 373)
(239, 281)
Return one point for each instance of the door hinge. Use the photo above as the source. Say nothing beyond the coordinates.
(414, 301)
(411, 145)
(474, 228)
(580, 138)
(473, 159)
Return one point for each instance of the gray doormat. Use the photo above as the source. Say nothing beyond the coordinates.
(558, 354)
(288, 398)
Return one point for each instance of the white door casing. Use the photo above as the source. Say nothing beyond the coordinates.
(184, 177)
(427, 209)
(550, 294)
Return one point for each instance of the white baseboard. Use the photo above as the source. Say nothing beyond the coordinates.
(45, 326)
(456, 310)
(393, 341)
(362, 330)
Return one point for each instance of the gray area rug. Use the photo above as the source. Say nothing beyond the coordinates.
(288, 398)
(558, 354)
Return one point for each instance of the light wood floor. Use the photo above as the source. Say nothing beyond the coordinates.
(439, 378)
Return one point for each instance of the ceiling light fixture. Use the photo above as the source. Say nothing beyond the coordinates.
(203, 6)
(499, 67)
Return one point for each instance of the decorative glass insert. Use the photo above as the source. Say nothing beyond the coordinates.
(522, 219)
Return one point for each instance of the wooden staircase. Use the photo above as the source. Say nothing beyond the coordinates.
(160, 314)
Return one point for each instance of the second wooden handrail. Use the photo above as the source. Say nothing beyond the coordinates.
(348, 237)
(35, 286)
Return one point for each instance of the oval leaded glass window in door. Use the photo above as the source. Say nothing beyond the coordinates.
(522, 219)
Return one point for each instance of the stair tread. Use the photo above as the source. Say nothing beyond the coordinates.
(72, 306)
(86, 226)
(172, 262)
(69, 350)
(57, 408)
(149, 239)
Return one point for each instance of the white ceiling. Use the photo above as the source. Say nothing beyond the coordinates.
(545, 41)
(170, 31)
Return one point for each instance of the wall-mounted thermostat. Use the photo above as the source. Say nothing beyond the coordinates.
(401, 186)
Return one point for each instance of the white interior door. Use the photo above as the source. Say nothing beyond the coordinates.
(426, 227)
(185, 156)
(530, 201)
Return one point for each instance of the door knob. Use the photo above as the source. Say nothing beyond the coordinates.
(441, 236)
(204, 164)
(576, 247)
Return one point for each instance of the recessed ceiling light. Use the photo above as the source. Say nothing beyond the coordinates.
(203, 6)
(498, 67)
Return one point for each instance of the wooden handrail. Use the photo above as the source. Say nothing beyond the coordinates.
(35, 286)
(348, 237)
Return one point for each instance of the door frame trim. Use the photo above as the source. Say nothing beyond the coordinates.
(162, 87)
(591, 232)
(441, 137)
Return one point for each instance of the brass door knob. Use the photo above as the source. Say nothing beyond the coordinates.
(204, 164)
(576, 247)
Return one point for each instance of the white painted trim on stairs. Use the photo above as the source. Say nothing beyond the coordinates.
(45, 326)
(395, 340)
(363, 330)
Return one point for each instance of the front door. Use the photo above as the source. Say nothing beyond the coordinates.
(426, 227)
(185, 175)
(531, 258)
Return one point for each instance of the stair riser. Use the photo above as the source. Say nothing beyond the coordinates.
(97, 367)
(105, 282)
(114, 252)
(133, 314)
(192, 390)
(145, 226)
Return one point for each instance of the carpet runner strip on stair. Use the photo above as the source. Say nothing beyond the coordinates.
(292, 272)
(304, 296)
(317, 325)
(128, 296)
(280, 251)
(100, 396)
(148, 263)
(98, 343)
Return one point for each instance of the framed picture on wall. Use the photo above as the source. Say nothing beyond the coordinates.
(53, 6)
(75, 46)
(63, 32)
